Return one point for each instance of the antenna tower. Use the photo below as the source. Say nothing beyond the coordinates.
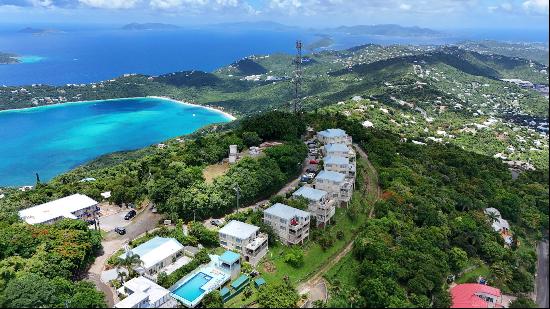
(298, 71)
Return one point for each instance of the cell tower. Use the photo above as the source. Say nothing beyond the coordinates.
(298, 71)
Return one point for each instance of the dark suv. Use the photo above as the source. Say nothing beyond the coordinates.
(120, 230)
(130, 215)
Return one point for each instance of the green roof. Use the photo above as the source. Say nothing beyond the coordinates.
(239, 282)
(230, 257)
(259, 282)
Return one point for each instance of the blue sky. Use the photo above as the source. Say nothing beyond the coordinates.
(438, 14)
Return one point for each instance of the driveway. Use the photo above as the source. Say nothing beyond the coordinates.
(541, 280)
(108, 223)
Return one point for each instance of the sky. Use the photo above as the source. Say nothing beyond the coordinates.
(436, 14)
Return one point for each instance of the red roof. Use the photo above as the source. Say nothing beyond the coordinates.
(464, 295)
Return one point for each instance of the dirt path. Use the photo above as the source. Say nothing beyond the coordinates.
(316, 287)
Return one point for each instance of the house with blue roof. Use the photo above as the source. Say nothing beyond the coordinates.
(319, 204)
(230, 262)
(290, 224)
(244, 238)
(338, 186)
(339, 150)
(333, 136)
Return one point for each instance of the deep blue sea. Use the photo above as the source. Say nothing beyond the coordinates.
(52, 139)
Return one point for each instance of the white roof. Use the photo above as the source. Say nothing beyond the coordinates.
(142, 288)
(155, 250)
(64, 207)
(239, 229)
(333, 133)
(286, 212)
(310, 193)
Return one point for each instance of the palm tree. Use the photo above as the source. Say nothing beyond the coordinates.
(130, 261)
(493, 216)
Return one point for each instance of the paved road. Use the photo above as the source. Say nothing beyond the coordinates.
(542, 274)
(143, 222)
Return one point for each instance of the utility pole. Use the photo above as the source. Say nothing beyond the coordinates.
(238, 191)
(298, 72)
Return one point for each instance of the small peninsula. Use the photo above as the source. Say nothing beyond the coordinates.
(7, 58)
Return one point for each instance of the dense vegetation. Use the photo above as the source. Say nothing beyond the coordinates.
(40, 263)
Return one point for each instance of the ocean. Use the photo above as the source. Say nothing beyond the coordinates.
(50, 140)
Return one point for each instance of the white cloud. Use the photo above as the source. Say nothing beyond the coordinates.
(110, 4)
(536, 6)
(165, 4)
(405, 7)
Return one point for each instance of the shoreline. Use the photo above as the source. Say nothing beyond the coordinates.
(226, 114)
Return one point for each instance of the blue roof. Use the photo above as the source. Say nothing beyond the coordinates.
(286, 212)
(336, 160)
(152, 245)
(310, 193)
(337, 148)
(332, 176)
(240, 281)
(333, 133)
(230, 257)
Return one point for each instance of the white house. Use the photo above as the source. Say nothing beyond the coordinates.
(320, 205)
(141, 292)
(339, 150)
(244, 238)
(500, 225)
(156, 254)
(333, 136)
(290, 224)
(336, 184)
(76, 206)
(341, 165)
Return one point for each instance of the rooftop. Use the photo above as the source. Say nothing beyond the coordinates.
(336, 160)
(230, 257)
(239, 229)
(155, 250)
(286, 212)
(63, 207)
(142, 288)
(336, 148)
(310, 193)
(466, 295)
(333, 133)
(332, 176)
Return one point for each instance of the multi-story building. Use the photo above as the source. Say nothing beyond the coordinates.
(244, 238)
(334, 136)
(341, 165)
(290, 224)
(141, 292)
(320, 205)
(76, 206)
(336, 184)
(339, 150)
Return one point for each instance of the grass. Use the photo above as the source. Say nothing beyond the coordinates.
(343, 272)
(214, 170)
(472, 275)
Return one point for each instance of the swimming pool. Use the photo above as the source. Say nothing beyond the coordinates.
(191, 290)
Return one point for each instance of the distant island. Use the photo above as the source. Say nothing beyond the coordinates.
(387, 30)
(323, 42)
(6, 58)
(149, 26)
(37, 31)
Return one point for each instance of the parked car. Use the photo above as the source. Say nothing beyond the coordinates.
(90, 222)
(305, 178)
(120, 230)
(313, 161)
(311, 170)
(130, 215)
(216, 222)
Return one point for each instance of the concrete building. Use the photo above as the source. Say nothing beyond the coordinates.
(141, 292)
(230, 262)
(334, 136)
(339, 150)
(290, 224)
(320, 205)
(76, 206)
(233, 154)
(156, 254)
(244, 238)
(474, 295)
(336, 184)
(341, 165)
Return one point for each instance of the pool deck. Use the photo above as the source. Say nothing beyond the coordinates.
(219, 278)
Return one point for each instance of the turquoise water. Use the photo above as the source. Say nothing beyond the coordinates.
(30, 59)
(191, 289)
(50, 140)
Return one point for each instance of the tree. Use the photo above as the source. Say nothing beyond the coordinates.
(31, 291)
(294, 257)
(522, 302)
(213, 300)
(458, 259)
(278, 295)
(251, 139)
(129, 262)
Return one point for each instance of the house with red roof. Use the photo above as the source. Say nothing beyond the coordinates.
(474, 295)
